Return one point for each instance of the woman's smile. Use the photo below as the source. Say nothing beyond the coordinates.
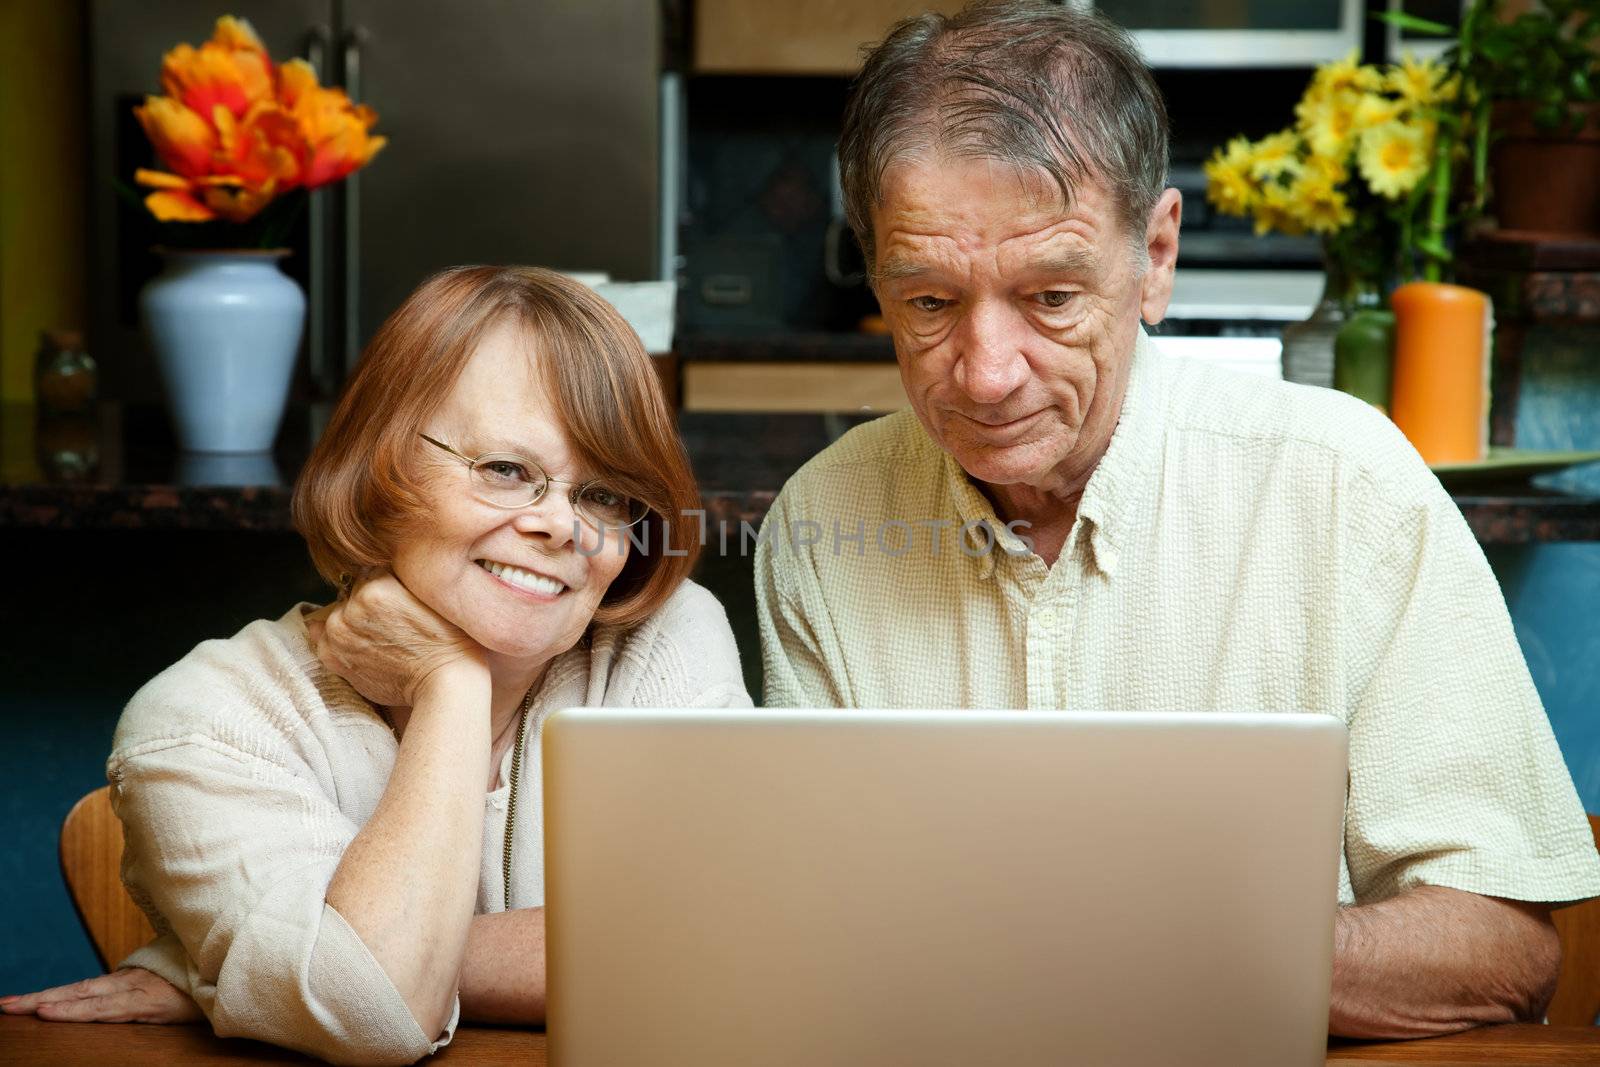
(525, 582)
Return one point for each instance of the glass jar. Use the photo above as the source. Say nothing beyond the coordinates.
(1308, 346)
(65, 378)
(67, 448)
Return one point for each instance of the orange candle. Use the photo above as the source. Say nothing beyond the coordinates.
(1440, 397)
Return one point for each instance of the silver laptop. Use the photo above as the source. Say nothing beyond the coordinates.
(761, 887)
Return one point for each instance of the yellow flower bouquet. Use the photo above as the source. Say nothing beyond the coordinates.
(235, 132)
(1352, 168)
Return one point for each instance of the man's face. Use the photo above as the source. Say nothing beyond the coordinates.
(1014, 321)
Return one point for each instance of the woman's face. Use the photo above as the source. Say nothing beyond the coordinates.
(515, 581)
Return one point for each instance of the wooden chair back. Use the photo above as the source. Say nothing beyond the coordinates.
(91, 863)
(1577, 999)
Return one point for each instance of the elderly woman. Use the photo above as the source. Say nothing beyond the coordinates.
(333, 818)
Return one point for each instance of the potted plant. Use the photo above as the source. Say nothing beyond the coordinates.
(1539, 72)
(242, 141)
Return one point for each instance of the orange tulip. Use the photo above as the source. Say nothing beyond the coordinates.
(183, 140)
(174, 200)
(238, 35)
(260, 150)
(236, 132)
(231, 69)
(250, 163)
(230, 198)
(213, 196)
(335, 130)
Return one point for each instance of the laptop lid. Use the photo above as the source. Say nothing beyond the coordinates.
(764, 887)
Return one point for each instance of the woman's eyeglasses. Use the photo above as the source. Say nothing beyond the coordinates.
(507, 480)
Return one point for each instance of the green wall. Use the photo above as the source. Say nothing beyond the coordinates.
(43, 157)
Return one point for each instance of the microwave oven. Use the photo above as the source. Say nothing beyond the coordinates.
(1239, 33)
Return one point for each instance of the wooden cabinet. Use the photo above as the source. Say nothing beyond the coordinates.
(797, 36)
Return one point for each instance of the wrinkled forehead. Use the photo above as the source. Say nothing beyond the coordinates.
(924, 180)
(941, 208)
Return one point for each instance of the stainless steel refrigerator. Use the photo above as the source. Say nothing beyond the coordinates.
(520, 131)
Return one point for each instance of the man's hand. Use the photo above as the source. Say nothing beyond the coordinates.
(131, 995)
(387, 644)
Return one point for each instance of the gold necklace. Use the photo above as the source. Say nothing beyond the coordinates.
(511, 802)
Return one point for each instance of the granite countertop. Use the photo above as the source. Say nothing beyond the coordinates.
(136, 478)
(139, 481)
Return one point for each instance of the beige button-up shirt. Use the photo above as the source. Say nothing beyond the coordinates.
(1244, 545)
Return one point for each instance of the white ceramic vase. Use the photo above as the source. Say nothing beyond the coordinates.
(225, 327)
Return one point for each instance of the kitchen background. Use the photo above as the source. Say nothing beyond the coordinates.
(689, 140)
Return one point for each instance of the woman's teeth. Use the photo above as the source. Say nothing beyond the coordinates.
(522, 579)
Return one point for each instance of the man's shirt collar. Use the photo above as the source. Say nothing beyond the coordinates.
(1119, 483)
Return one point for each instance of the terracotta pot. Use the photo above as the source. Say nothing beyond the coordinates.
(1542, 182)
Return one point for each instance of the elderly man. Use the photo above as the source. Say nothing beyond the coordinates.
(1067, 519)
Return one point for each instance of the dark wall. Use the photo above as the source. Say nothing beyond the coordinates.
(86, 619)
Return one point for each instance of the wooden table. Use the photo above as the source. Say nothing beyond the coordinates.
(28, 1041)
(1522, 1043)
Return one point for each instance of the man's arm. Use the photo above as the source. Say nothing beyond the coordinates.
(1455, 776)
(1433, 960)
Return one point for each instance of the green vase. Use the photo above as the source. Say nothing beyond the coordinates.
(1363, 356)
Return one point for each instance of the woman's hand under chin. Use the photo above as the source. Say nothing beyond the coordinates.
(388, 644)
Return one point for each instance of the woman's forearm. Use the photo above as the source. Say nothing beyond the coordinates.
(407, 884)
(502, 976)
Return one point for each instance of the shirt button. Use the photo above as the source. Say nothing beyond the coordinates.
(1047, 617)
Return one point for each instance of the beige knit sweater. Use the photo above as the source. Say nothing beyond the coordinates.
(243, 772)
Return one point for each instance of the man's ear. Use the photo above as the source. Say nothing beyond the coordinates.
(1161, 246)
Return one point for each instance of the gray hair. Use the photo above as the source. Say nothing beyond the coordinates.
(1045, 88)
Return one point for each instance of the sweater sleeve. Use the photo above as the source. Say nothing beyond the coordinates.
(684, 656)
(236, 852)
(707, 650)
(164, 957)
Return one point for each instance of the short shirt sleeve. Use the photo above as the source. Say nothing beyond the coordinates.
(1455, 776)
(791, 613)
